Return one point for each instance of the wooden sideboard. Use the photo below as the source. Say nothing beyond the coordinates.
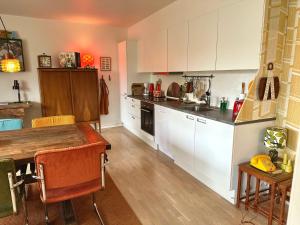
(70, 92)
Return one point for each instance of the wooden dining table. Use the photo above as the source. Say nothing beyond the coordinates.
(21, 145)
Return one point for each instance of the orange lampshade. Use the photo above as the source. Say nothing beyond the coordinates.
(87, 60)
(10, 65)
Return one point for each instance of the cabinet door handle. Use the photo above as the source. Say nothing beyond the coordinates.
(201, 121)
(133, 117)
(146, 110)
(189, 117)
(132, 106)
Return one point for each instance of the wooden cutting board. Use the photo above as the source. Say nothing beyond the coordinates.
(262, 87)
(173, 90)
(137, 89)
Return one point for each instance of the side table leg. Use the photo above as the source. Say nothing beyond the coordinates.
(270, 219)
(256, 201)
(238, 199)
(247, 191)
(282, 207)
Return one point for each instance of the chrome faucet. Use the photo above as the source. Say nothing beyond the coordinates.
(206, 97)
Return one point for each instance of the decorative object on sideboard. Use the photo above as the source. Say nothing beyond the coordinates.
(11, 54)
(44, 61)
(286, 164)
(69, 59)
(275, 138)
(269, 86)
(87, 61)
(16, 86)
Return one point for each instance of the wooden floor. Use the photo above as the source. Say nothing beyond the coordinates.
(160, 192)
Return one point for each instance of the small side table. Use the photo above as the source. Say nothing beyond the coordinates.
(272, 179)
(284, 188)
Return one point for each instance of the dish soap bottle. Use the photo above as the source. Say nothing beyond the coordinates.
(238, 103)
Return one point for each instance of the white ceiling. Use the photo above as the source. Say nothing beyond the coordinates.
(121, 13)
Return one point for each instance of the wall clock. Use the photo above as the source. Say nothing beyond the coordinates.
(44, 61)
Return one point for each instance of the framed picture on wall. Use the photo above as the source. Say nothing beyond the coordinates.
(105, 63)
(15, 48)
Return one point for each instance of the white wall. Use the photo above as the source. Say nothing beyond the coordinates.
(51, 37)
(225, 84)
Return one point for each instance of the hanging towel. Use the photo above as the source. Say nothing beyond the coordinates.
(104, 103)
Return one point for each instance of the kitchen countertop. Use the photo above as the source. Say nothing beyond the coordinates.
(214, 114)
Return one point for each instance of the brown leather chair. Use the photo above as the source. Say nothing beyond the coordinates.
(64, 174)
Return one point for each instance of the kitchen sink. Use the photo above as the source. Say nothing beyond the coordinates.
(197, 108)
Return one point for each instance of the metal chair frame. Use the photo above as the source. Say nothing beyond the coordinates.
(13, 186)
(44, 196)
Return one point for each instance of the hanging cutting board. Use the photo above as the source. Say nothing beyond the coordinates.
(173, 90)
(262, 87)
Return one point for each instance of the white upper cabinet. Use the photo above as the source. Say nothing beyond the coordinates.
(177, 47)
(239, 35)
(159, 51)
(202, 47)
(152, 52)
(144, 52)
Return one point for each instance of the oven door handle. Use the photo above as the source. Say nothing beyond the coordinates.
(146, 110)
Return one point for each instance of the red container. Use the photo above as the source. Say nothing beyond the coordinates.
(151, 88)
(158, 87)
(236, 108)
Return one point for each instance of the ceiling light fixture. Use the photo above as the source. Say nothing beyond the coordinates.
(9, 63)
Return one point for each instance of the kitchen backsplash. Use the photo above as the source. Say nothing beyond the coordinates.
(225, 83)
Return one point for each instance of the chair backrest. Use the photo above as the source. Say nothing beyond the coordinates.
(11, 124)
(53, 121)
(6, 205)
(70, 172)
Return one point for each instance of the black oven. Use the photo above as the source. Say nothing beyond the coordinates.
(147, 117)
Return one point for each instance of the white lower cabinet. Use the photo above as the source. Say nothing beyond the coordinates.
(134, 124)
(207, 149)
(213, 155)
(124, 109)
(162, 130)
(182, 131)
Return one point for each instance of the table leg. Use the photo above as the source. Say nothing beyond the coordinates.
(256, 201)
(272, 200)
(282, 206)
(247, 191)
(68, 213)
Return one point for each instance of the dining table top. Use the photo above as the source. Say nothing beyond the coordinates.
(21, 145)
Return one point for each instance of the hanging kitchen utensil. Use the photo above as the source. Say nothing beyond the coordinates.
(268, 86)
